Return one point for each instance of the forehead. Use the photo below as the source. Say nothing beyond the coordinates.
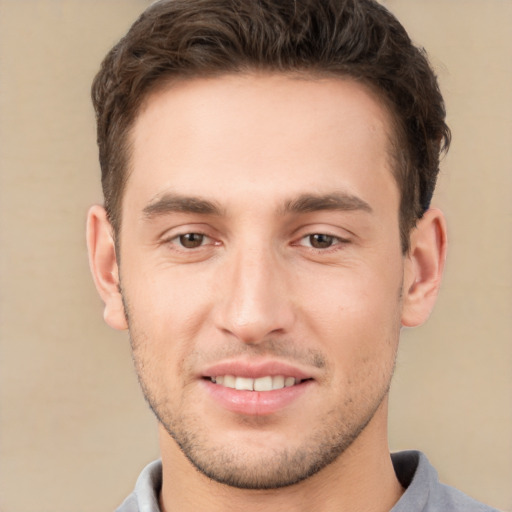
(260, 134)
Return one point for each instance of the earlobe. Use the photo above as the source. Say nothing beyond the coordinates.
(424, 267)
(104, 268)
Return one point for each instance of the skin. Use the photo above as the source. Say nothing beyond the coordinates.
(287, 184)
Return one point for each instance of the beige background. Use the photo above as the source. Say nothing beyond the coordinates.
(74, 430)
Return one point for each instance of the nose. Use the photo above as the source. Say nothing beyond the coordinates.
(255, 299)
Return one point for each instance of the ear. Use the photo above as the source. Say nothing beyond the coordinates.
(424, 266)
(104, 268)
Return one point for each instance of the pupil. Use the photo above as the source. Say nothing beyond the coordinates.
(320, 241)
(191, 240)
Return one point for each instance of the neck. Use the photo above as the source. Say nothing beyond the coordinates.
(361, 479)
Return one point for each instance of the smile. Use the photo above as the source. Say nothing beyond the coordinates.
(255, 389)
(266, 383)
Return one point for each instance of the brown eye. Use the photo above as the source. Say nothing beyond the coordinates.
(321, 241)
(191, 240)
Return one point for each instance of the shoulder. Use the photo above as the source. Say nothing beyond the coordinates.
(447, 498)
(424, 492)
(129, 504)
(145, 496)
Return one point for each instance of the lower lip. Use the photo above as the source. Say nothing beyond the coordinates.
(256, 403)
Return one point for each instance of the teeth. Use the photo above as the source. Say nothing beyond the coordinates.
(229, 381)
(243, 384)
(267, 383)
(263, 384)
(289, 381)
(278, 381)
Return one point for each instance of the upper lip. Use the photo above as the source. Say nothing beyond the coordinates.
(255, 369)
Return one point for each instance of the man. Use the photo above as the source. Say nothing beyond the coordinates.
(267, 169)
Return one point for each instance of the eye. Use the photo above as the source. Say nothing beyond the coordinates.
(321, 241)
(191, 240)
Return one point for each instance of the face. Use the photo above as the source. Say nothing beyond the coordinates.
(261, 271)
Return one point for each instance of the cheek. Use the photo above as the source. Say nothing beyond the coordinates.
(166, 314)
(351, 293)
(360, 335)
(355, 311)
(168, 297)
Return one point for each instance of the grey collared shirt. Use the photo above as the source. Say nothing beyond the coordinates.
(424, 492)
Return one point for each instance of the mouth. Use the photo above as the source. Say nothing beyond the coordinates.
(258, 396)
(265, 383)
(255, 388)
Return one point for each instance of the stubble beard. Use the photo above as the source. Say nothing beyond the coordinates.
(242, 468)
(283, 467)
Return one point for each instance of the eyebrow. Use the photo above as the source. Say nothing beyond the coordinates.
(175, 203)
(342, 201)
(305, 203)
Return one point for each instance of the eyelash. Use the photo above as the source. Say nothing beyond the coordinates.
(334, 242)
(178, 240)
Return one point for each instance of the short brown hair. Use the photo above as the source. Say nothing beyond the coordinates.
(180, 39)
